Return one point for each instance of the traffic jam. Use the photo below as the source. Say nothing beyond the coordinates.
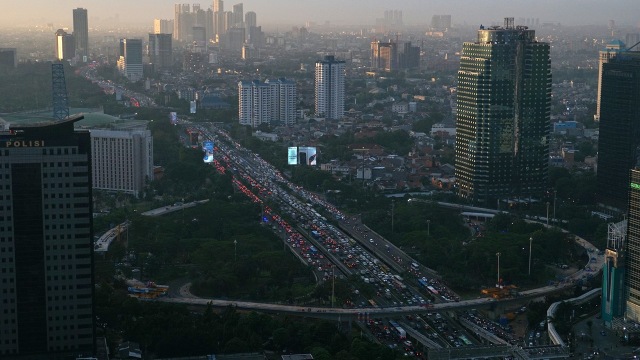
(332, 252)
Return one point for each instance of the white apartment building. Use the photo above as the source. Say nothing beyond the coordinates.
(122, 160)
(272, 102)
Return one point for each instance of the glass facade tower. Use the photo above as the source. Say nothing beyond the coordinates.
(619, 139)
(503, 115)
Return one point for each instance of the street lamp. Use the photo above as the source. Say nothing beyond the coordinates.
(393, 206)
(235, 250)
(530, 242)
(547, 213)
(333, 284)
(498, 255)
(555, 194)
(428, 227)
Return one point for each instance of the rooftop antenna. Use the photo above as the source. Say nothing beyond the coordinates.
(59, 92)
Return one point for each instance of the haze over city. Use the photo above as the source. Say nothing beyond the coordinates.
(328, 180)
(286, 12)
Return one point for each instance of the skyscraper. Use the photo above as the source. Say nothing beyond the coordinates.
(250, 20)
(384, 55)
(160, 51)
(46, 263)
(219, 17)
(285, 98)
(183, 22)
(238, 15)
(162, 26)
(81, 32)
(65, 45)
(611, 50)
(632, 282)
(130, 61)
(503, 115)
(329, 88)
(619, 139)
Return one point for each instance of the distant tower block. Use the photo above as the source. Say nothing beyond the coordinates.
(59, 92)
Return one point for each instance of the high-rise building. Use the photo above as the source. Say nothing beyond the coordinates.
(611, 50)
(130, 61)
(255, 36)
(162, 26)
(619, 139)
(160, 51)
(183, 22)
(233, 39)
(229, 20)
(65, 45)
(255, 102)
(219, 18)
(384, 55)
(46, 262)
(81, 32)
(272, 102)
(632, 282)
(503, 115)
(250, 19)
(122, 160)
(218, 5)
(285, 98)
(409, 56)
(329, 88)
(209, 24)
(238, 15)
(9, 57)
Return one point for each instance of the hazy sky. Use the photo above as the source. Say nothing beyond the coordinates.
(569, 12)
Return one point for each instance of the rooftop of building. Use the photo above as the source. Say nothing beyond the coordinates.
(92, 118)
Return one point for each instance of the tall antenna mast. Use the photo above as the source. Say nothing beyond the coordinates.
(59, 92)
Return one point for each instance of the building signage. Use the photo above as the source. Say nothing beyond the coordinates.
(24, 143)
(635, 186)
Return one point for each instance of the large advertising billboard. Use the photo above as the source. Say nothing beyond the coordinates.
(192, 107)
(303, 155)
(307, 155)
(292, 156)
(173, 117)
(207, 147)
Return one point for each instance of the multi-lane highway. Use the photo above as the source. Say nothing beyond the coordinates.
(350, 249)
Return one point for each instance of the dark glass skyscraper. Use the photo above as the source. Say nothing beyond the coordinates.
(160, 51)
(619, 140)
(46, 241)
(81, 31)
(503, 115)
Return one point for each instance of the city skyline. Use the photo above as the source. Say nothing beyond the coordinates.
(570, 12)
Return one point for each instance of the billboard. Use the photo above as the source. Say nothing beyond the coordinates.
(307, 155)
(173, 117)
(192, 107)
(292, 156)
(303, 155)
(207, 147)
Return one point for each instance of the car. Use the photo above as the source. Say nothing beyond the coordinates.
(371, 241)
